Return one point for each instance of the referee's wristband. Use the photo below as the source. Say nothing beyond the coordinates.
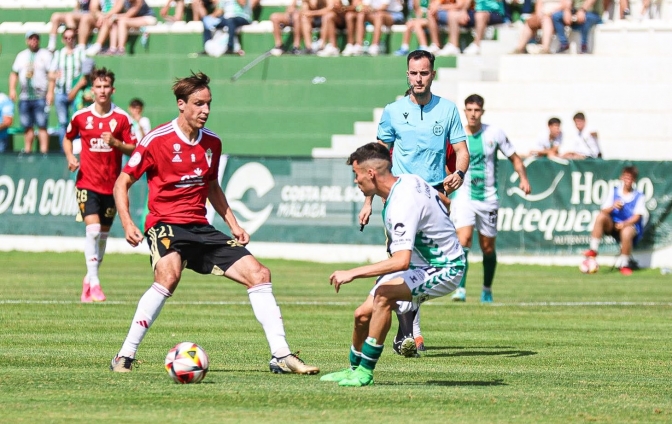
(460, 174)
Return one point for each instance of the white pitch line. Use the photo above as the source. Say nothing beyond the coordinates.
(316, 303)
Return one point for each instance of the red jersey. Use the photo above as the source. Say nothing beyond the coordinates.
(99, 164)
(179, 173)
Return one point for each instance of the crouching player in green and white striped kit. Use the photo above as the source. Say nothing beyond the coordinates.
(426, 260)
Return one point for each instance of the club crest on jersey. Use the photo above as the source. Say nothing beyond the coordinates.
(176, 148)
(438, 129)
(89, 123)
(208, 156)
(113, 124)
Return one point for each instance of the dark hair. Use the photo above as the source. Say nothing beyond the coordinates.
(135, 102)
(371, 151)
(475, 98)
(579, 115)
(553, 121)
(419, 54)
(185, 87)
(632, 170)
(102, 73)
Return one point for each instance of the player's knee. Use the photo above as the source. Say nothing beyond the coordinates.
(260, 275)
(362, 315)
(488, 250)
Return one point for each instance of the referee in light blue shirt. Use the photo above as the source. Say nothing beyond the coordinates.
(418, 129)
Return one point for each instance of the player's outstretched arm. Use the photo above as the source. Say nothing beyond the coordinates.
(221, 205)
(399, 261)
(121, 187)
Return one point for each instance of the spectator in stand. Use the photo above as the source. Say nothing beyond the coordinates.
(623, 216)
(101, 19)
(289, 18)
(70, 19)
(140, 125)
(312, 12)
(577, 14)
(199, 9)
(335, 20)
(540, 20)
(486, 12)
(126, 14)
(350, 16)
(582, 143)
(549, 142)
(230, 14)
(416, 24)
(379, 13)
(30, 70)
(437, 17)
(66, 78)
(6, 120)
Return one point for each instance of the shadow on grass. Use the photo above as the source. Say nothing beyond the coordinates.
(445, 383)
(478, 351)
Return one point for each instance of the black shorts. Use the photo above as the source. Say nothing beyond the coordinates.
(92, 203)
(204, 249)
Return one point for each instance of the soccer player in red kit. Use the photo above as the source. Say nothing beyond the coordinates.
(181, 160)
(106, 134)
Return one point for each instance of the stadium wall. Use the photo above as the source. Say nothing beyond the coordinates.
(306, 209)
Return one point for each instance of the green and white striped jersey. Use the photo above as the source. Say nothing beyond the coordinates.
(480, 181)
(70, 66)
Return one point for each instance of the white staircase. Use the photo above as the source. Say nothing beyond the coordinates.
(624, 89)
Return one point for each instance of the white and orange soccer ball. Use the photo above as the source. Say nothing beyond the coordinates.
(589, 266)
(187, 363)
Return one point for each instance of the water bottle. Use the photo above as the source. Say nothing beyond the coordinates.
(144, 38)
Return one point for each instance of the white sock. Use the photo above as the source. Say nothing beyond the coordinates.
(91, 253)
(102, 244)
(594, 244)
(404, 47)
(268, 314)
(148, 310)
(622, 261)
(416, 325)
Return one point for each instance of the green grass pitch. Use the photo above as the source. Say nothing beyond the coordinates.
(556, 347)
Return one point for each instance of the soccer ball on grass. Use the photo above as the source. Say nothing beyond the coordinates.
(187, 363)
(589, 266)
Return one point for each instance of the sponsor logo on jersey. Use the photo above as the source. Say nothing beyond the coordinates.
(193, 158)
(406, 115)
(198, 171)
(177, 158)
(399, 229)
(89, 123)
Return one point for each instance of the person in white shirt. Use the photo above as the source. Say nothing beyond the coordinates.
(30, 70)
(549, 141)
(582, 143)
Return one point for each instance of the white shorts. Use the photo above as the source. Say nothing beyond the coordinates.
(473, 213)
(426, 283)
